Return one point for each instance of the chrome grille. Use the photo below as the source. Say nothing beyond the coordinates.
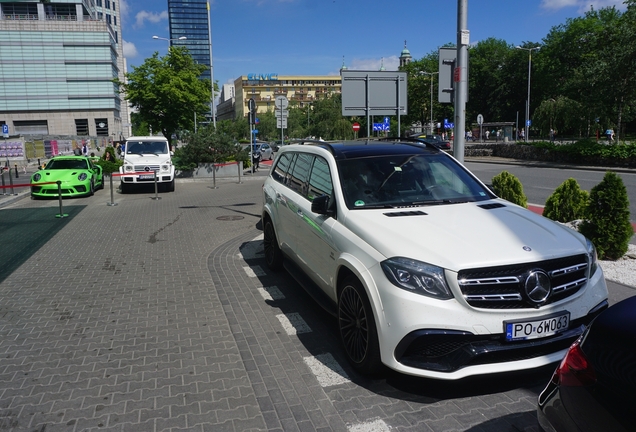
(150, 168)
(502, 287)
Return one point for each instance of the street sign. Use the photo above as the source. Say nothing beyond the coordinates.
(480, 119)
(256, 120)
(251, 104)
(5, 130)
(281, 122)
(281, 102)
(381, 127)
(254, 131)
(281, 113)
(356, 127)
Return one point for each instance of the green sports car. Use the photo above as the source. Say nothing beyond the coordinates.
(78, 176)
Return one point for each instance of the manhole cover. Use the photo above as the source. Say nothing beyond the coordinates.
(229, 218)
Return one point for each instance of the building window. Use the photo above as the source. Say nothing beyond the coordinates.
(115, 20)
(81, 127)
(108, 19)
(107, 4)
(101, 125)
(31, 127)
(99, 3)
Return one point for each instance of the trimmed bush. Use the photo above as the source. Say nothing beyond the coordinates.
(607, 223)
(508, 187)
(567, 203)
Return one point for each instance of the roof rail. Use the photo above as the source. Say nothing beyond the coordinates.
(419, 141)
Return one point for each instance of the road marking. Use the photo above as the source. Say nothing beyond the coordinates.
(252, 249)
(293, 323)
(271, 293)
(254, 271)
(374, 426)
(327, 370)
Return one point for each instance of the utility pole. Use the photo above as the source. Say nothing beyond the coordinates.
(461, 79)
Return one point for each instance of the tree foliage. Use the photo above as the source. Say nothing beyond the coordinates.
(167, 92)
(607, 224)
(508, 187)
(567, 203)
(207, 145)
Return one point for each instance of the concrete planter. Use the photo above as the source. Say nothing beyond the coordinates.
(209, 170)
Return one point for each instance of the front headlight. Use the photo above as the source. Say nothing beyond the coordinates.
(128, 168)
(164, 168)
(82, 177)
(418, 277)
(37, 177)
(592, 257)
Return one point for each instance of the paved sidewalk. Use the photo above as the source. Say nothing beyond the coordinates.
(160, 315)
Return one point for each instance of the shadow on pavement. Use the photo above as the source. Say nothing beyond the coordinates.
(24, 231)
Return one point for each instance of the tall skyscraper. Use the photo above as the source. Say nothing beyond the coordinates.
(58, 62)
(189, 18)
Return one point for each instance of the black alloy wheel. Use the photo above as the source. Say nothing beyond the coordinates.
(357, 327)
(273, 254)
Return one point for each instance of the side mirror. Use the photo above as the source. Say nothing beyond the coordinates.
(320, 205)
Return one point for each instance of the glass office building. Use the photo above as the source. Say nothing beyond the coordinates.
(189, 18)
(59, 59)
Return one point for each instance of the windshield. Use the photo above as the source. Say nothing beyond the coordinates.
(61, 164)
(407, 180)
(147, 147)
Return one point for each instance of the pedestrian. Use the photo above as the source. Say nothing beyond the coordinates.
(487, 135)
(497, 135)
(522, 134)
(84, 149)
(612, 134)
(608, 135)
(552, 135)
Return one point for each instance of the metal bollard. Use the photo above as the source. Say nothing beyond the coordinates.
(239, 165)
(156, 197)
(214, 176)
(59, 194)
(112, 191)
(11, 182)
(16, 171)
(4, 191)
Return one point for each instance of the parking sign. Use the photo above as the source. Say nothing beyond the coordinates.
(5, 130)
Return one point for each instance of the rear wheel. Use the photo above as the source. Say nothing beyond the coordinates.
(170, 186)
(357, 327)
(273, 254)
(91, 192)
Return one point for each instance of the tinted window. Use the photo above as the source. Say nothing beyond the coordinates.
(319, 180)
(282, 167)
(300, 172)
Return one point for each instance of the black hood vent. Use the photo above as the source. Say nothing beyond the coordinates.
(491, 206)
(406, 213)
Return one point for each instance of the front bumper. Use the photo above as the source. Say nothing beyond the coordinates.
(67, 190)
(449, 339)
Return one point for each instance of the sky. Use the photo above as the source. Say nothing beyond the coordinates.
(315, 37)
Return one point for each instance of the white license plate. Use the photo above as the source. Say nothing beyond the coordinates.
(537, 328)
(146, 176)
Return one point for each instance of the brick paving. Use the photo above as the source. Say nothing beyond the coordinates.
(160, 315)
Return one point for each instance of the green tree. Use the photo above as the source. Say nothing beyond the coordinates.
(167, 92)
(567, 203)
(207, 145)
(607, 224)
(508, 187)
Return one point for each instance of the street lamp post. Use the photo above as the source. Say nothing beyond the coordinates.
(169, 39)
(527, 128)
(431, 113)
(212, 108)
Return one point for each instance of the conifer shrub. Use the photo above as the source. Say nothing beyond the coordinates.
(607, 222)
(567, 203)
(508, 187)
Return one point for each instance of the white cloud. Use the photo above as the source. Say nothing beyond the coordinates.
(130, 50)
(582, 6)
(152, 17)
(390, 63)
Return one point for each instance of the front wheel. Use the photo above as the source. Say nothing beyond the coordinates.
(273, 254)
(358, 331)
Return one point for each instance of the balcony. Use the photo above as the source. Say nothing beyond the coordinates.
(280, 92)
(256, 98)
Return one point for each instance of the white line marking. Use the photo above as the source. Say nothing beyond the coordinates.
(293, 323)
(327, 370)
(374, 426)
(254, 271)
(271, 293)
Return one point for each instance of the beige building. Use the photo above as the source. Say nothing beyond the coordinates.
(298, 89)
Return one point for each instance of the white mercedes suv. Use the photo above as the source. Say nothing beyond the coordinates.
(426, 270)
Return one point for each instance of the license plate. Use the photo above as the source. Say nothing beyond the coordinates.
(537, 328)
(146, 176)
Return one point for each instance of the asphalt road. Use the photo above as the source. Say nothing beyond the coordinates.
(160, 315)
